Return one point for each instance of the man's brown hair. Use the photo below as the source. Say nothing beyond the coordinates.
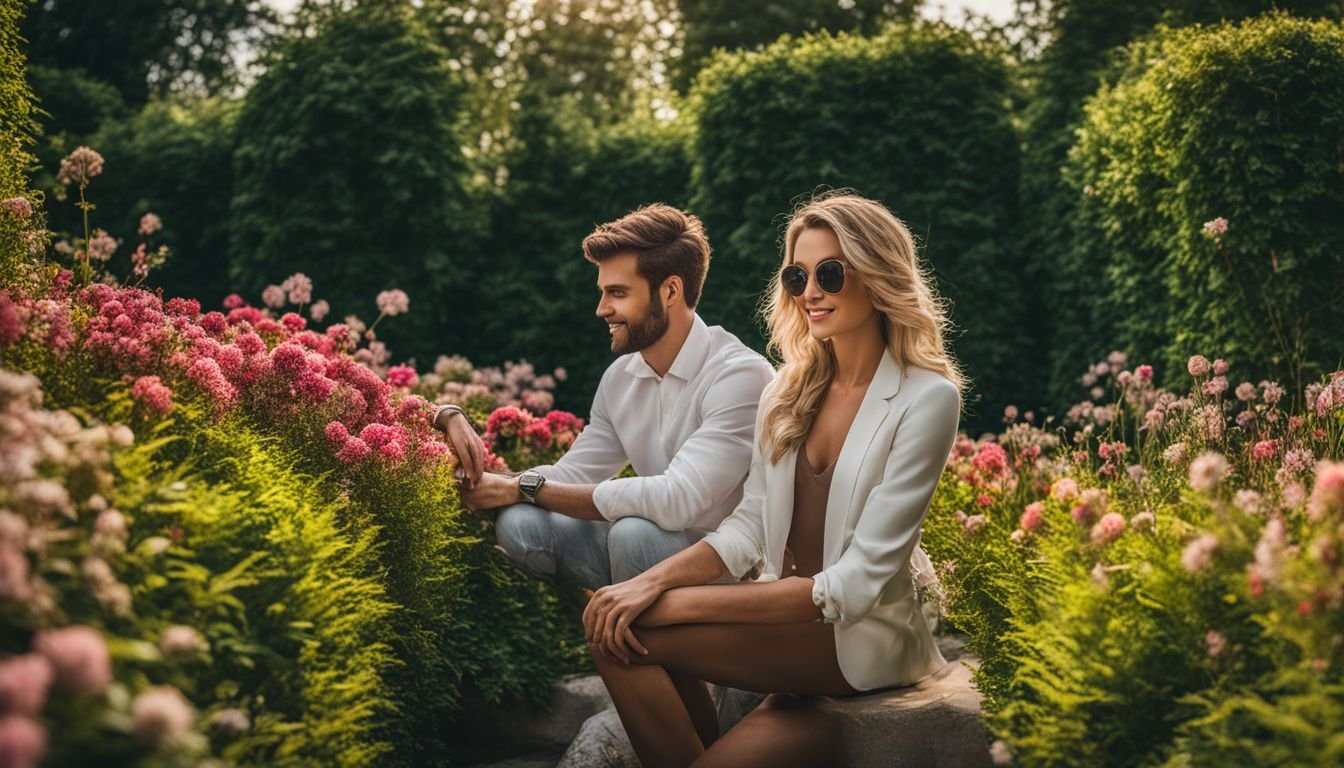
(665, 241)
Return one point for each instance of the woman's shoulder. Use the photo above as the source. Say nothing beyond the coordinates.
(917, 380)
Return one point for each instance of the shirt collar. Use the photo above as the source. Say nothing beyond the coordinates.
(690, 358)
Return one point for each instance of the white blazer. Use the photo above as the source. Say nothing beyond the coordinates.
(883, 482)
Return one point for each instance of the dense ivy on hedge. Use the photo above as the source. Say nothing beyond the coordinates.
(917, 118)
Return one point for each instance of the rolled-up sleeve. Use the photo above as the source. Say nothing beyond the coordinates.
(888, 527)
(709, 466)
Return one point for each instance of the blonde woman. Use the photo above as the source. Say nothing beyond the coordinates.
(851, 439)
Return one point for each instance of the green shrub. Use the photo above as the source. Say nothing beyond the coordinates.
(916, 118)
(1238, 123)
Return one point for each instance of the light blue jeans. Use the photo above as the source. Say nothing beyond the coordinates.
(585, 553)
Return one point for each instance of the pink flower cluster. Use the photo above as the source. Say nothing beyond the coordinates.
(80, 166)
(152, 393)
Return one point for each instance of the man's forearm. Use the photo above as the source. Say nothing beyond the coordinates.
(569, 499)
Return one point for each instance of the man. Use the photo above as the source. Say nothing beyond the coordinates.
(679, 405)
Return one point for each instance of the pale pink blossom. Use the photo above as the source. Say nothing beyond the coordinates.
(298, 287)
(1108, 528)
(80, 166)
(1214, 643)
(149, 224)
(273, 296)
(1269, 550)
(319, 310)
(18, 207)
(180, 639)
(23, 742)
(1264, 450)
(13, 575)
(1215, 387)
(1032, 516)
(1271, 391)
(1248, 501)
(1100, 576)
(1064, 488)
(1000, 753)
(1245, 391)
(1207, 471)
(24, 681)
(229, 722)
(1220, 367)
(101, 245)
(1211, 423)
(393, 302)
(79, 658)
(1198, 554)
(162, 715)
(1175, 453)
(1197, 365)
(1017, 536)
(1215, 227)
(1143, 521)
(1328, 493)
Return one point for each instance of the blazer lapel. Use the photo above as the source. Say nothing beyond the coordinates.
(872, 412)
(778, 518)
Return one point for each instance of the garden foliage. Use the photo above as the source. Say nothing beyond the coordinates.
(937, 147)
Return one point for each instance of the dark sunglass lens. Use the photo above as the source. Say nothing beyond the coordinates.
(794, 280)
(831, 276)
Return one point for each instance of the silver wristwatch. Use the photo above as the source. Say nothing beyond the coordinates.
(529, 483)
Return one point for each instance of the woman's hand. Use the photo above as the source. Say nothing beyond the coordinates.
(611, 611)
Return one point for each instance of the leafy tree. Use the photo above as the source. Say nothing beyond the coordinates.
(142, 47)
(916, 118)
(350, 168)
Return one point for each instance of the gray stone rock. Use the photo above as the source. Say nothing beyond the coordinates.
(573, 700)
(933, 724)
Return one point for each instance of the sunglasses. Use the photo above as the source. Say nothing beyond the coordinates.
(830, 277)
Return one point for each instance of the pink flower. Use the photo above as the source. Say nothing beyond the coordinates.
(1220, 367)
(23, 742)
(538, 433)
(1271, 391)
(80, 166)
(353, 451)
(1081, 514)
(1248, 501)
(11, 322)
(23, 684)
(273, 296)
(101, 245)
(162, 715)
(1108, 528)
(336, 433)
(292, 322)
(319, 310)
(991, 460)
(299, 288)
(1197, 365)
(149, 224)
(1064, 489)
(1270, 550)
(180, 639)
(1032, 516)
(1215, 227)
(1328, 493)
(1207, 471)
(214, 323)
(149, 391)
(402, 376)
(13, 575)
(1198, 554)
(507, 421)
(1245, 391)
(1215, 386)
(18, 207)
(1215, 643)
(206, 373)
(1144, 372)
(1144, 521)
(999, 752)
(974, 523)
(79, 658)
(393, 302)
(234, 301)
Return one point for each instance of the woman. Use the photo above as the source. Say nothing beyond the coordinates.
(851, 439)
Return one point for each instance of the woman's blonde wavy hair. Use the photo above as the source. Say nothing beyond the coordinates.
(914, 320)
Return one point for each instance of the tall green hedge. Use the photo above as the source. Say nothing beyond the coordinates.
(917, 118)
(1239, 122)
(566, 175)
(350, 168)
(16, 130)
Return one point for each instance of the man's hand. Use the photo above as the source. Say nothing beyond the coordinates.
(492, 491)
(466, 444)
(607, 619)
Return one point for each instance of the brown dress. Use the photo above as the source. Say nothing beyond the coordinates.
(808, 530)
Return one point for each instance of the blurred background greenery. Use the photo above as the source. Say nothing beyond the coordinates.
(461, 150)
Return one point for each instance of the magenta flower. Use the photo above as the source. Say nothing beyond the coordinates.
(353, 451)
(1144, 372)
(1032, 516)
(151, 393)
(393, 302)
(78, 656)
(1264, 450)
(402, 376)
(991, 459)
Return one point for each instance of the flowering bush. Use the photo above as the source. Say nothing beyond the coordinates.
(1158, 581)
(277, 568)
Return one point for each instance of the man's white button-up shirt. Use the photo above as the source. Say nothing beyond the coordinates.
(687, 435)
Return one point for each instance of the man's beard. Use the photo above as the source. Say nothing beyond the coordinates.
(645, 332)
